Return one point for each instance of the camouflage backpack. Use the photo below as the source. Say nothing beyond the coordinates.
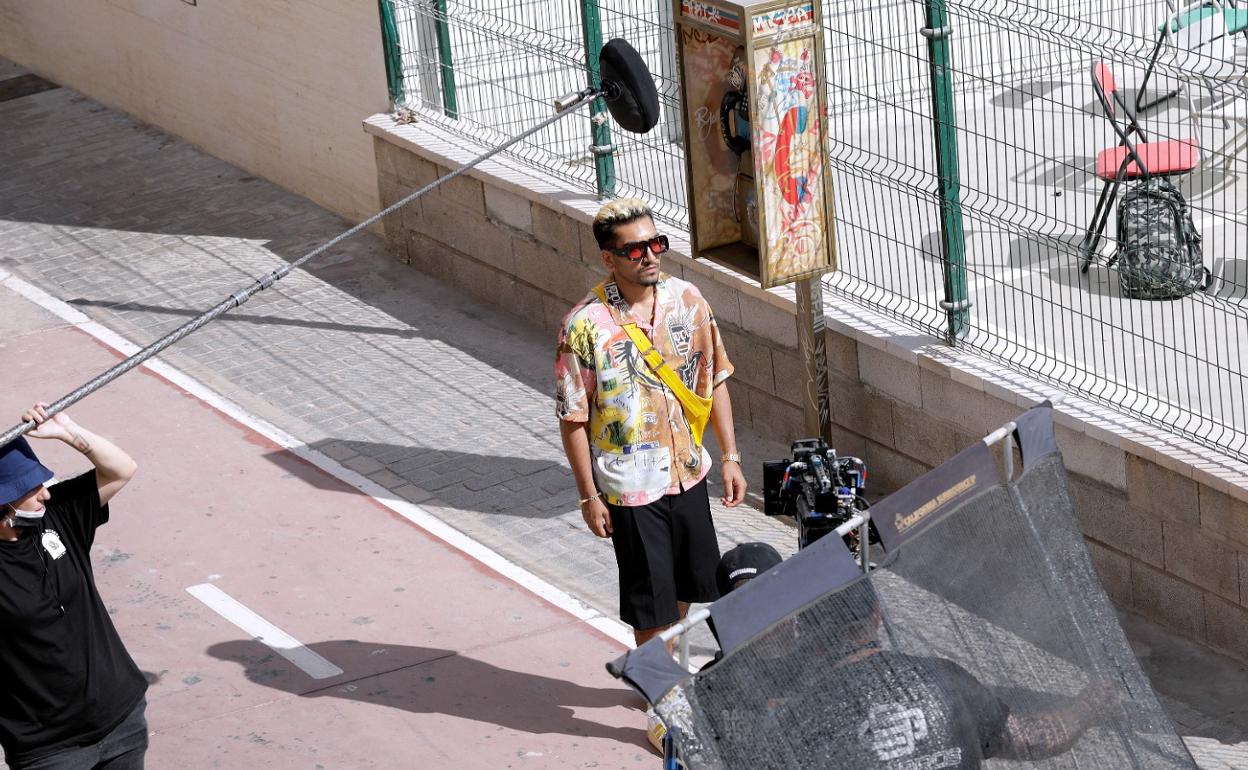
(1158, 252)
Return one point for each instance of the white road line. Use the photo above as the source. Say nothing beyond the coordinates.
(413, 513)
(263, 631)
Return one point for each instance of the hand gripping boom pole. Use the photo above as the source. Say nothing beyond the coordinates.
(563, 107)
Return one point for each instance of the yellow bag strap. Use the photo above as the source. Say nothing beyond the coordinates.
(696, 407)
(694, 404)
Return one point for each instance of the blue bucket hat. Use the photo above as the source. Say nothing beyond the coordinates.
(20, 470)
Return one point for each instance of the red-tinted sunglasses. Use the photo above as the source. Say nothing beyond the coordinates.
(636, 251)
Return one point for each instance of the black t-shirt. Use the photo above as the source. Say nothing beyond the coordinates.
(65, 679)
(902, 712)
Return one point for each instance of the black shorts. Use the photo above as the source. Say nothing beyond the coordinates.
(667, 552)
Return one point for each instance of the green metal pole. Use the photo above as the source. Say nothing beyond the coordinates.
(953, 241)
(604, 163)
(393, 54)
(450, 105)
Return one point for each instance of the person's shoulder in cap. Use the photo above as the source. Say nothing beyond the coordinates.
(738, 566)
(744, 562)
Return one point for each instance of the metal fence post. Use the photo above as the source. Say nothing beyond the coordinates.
(953, 240)
(601, 147)
(450, 105)
(811, 326)
(392, 52)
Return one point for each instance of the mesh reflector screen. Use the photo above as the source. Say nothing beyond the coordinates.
(985, 640)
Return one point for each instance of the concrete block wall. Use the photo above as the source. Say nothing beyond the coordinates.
(508, 250)
(1166, 521)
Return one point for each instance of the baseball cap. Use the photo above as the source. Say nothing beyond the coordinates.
(745, 561)
(20, 470)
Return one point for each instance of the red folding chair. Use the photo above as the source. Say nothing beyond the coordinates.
(1129, 160)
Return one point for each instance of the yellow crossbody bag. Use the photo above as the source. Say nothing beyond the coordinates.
(697, 409)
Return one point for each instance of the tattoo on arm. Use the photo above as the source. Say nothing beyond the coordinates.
(1044, 734)
(80, 443)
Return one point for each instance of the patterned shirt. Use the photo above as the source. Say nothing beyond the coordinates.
(639, 439)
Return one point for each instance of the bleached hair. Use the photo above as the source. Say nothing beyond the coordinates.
(620, 211)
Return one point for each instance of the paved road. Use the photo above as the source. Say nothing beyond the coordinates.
(440, 661)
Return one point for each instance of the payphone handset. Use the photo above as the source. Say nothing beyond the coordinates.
(734, 128)
(734, 109)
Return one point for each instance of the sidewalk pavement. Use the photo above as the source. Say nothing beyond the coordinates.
(440, 661)
(442, 401)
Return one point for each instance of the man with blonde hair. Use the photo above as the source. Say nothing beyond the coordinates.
(632, 432)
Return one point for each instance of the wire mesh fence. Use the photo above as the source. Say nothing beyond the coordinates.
(512, 60)
(1030, 130)
(1031, 145)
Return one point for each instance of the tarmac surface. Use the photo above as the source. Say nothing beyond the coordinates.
(422, 638)
(438, 406)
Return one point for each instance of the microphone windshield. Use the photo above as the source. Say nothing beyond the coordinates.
(628, 88)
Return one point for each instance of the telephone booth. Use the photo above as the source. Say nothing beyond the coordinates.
(760, 196)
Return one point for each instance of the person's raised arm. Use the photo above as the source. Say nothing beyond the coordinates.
(113, 467)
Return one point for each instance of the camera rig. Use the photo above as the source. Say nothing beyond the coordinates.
(820, 490)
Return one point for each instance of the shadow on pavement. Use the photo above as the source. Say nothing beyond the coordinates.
(484, 482)
(1023, 94)
(189, 313)
(200, 196)
(1231, 279)
(424, 680)
(414, 306)
(134, 194)
(1032, 251)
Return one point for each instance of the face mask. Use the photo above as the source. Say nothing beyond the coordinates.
(19, 518)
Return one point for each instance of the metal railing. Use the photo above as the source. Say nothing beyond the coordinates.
(1025, 128)
(512, 59)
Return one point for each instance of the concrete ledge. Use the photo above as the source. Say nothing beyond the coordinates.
(1166, 519)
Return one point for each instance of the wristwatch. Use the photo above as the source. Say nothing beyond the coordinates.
(731, 457)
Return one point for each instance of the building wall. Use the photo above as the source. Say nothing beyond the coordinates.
(278, 88)
(1166, 522)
